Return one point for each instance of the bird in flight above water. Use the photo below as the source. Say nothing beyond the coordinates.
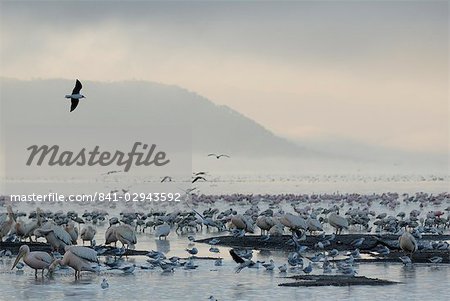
(75, 96)
(218, 156)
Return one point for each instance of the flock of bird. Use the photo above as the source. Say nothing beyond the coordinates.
(291, 214)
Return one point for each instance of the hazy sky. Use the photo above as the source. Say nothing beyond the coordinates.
(372, 72)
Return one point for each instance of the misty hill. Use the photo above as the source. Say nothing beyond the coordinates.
(136, 103)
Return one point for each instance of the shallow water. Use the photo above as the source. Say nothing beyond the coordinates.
(418, 282)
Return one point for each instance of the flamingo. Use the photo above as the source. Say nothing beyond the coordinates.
(36, 260)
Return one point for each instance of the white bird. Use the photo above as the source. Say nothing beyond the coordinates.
(293, 222)
(162, 231)
(36, 260)
(338, 222)
(283, 268)
(406, 260)
(75, 96)
(126, 235)
(408, 243)
(6, 222)
(88, 234)
(104, 284)
(192, 251)
(78, 258)
(269, 266)
(55, 235)
(243, 263)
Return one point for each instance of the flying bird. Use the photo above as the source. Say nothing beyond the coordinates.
(242, 263)
(166, 178)
(75, 96)
(218, 156)
(198, 178)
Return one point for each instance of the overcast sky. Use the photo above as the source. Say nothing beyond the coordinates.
(375, 73)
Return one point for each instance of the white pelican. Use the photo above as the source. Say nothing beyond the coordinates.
(78, 258)
(337, 222)
(36, 260)
(243, 222)
(162, 231)
(55, 235)
(6, 222)
(73, 232)
(126, 235)
(26, 230)
(293, 222)
(276, 230)
(408, 243)
(88, 234)
(265, 223)
(110, 235)
(314, 225)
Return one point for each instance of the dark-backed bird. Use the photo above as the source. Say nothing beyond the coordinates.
(218, 156)
(197, 179)
(166, 178)
(75, 96)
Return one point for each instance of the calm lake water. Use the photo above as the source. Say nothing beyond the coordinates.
(418, 282)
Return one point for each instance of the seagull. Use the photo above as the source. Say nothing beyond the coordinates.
(198, 178)
(218, 262)
(75, 96)
(308, 269)
(269, 266)
(241, 261)
(435, 259)
(406, 260)
(283, 268)
(214, 250)
(166, 178)
(218, 156)
(192, 251)
(104, 284)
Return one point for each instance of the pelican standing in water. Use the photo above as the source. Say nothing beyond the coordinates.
(78, 258)
(408, 243)
(36, 260)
